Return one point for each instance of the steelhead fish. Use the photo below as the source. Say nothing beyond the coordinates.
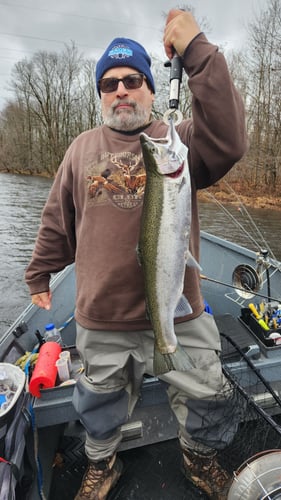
(163, 244)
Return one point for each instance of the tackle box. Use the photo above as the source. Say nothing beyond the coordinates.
(262, 335)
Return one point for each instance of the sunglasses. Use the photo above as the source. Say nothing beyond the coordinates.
(130, 82)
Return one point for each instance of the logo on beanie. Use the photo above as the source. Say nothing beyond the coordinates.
(120, 52)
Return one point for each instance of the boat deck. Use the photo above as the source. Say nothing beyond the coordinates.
(153, 472)
(150, 473)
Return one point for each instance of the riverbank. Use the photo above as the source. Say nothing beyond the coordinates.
(235, 197)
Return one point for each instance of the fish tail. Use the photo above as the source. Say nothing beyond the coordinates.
(178, 360)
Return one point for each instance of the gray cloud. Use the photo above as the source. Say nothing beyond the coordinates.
(29, 26)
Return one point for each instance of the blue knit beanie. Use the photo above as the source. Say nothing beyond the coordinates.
(125, 52)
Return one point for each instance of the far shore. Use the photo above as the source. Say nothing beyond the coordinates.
(253, 201)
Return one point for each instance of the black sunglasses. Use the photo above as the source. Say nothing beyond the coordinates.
(131, 82)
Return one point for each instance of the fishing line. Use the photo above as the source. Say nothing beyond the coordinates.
(234, 220)
(250, 218)
(243, 229)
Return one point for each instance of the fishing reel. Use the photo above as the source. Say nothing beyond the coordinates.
(247, 280)
(259, 478)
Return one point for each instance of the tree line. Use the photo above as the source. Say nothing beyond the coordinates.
(55, 99)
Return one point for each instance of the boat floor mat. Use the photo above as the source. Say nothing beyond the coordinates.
(151, 472)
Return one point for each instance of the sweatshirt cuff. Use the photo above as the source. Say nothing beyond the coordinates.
(196, 53)
(38, 286)
(191, 42)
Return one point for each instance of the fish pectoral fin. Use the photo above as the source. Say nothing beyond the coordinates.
(178, 360)
(191, 261)
(138, 252)
(147, 315)
(183, 308)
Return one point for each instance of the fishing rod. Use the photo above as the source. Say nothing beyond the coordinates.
(245, 289)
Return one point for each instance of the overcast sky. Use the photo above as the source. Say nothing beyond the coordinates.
(27, 26)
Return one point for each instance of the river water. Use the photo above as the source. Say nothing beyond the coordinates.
(22, 199)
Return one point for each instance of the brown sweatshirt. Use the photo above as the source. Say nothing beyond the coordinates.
(92, 215)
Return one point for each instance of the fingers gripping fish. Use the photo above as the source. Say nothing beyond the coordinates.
(163, 244)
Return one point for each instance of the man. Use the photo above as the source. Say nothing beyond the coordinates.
(92, 217)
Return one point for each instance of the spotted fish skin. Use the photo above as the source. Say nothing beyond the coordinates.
(163, 249)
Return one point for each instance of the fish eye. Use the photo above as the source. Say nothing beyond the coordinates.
(153, 149)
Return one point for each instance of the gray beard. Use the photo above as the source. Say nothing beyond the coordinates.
(126, 119)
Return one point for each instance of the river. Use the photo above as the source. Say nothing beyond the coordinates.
(21, 201)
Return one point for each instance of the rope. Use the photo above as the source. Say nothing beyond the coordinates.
(36, 454)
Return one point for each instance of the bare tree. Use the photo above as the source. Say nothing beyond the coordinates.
(15, 149)
(56, 94)
(264, 71)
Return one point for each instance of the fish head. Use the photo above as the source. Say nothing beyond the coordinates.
(166, 155)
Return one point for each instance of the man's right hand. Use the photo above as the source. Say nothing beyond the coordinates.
(181, 28)
(43, 300)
